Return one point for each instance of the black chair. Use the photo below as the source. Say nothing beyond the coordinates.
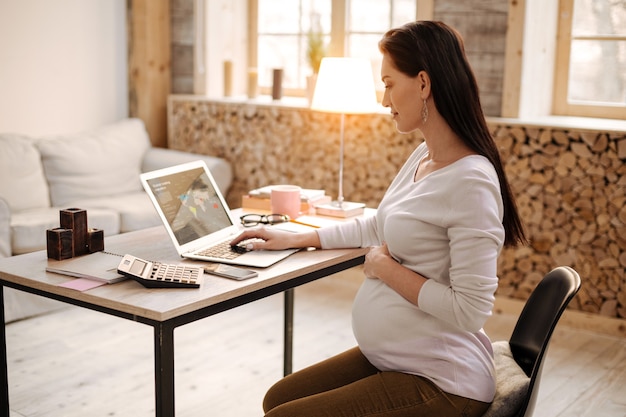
(529, 342)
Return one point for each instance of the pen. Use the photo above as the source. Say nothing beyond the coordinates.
(303, 223)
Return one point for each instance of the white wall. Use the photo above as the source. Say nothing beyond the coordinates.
(63, 65)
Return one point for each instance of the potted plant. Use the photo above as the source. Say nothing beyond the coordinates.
(314, 53)
(315, 50)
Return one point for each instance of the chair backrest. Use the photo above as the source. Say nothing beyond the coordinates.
(531, 336)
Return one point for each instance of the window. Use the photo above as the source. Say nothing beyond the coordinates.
(590, 70)
(283, 32)
(346, 27)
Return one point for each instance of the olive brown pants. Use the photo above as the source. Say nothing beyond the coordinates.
(348, 385)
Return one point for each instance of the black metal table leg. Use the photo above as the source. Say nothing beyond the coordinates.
(4, 372)
(164, 369)
(288, 336)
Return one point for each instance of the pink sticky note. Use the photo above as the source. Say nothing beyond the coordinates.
(82, 284)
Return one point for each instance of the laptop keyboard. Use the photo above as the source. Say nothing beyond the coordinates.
(221, 250)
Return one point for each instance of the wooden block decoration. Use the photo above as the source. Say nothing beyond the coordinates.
(60, 243)
(95, 240)
(76, 219)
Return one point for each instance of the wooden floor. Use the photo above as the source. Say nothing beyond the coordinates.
(75, 362)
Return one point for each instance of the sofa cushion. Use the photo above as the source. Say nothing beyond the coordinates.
(28, 227)
(135, 209)
(5, 229)
(103, 162)
(22, 181)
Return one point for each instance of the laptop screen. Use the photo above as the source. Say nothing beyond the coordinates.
(190, 204)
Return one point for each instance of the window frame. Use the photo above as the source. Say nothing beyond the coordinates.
(338, 34)
(560, 105)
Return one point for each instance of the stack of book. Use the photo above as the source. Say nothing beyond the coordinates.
(347, 209)
(259, 199)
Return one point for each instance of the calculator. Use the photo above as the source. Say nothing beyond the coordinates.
(160, 275)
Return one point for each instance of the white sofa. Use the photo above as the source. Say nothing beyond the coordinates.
(97, 171)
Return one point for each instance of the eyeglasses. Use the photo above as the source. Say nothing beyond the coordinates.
(249, 220)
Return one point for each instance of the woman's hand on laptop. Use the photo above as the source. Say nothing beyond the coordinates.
(267, 238)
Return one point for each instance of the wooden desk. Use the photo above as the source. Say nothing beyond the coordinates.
(166, 309)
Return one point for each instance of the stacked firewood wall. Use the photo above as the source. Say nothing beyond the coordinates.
(570, 183)
(571, 191)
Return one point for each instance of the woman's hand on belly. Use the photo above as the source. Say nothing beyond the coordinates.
(376, 260)
(379, 264)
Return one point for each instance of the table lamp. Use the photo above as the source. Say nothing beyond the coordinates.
(344, 86)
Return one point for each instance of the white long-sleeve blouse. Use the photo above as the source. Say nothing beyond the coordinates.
(447, 227)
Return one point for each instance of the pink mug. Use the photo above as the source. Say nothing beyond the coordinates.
(285, 199)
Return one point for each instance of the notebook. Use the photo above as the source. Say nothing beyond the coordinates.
(197, 218)
(98, 266)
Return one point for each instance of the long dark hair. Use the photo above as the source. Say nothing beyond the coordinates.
(438, 49)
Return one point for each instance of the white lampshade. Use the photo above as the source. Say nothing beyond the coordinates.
(345, 85)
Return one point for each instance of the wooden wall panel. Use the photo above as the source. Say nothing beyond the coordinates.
(149, 65)
(183, 39)
(483, 25)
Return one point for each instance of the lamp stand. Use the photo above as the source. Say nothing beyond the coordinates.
(339, 207)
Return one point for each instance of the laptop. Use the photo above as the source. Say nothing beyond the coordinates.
(197, 217)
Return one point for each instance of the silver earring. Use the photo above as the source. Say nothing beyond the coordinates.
(424, 112)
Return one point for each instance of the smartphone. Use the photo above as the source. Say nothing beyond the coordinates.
(230, 271)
